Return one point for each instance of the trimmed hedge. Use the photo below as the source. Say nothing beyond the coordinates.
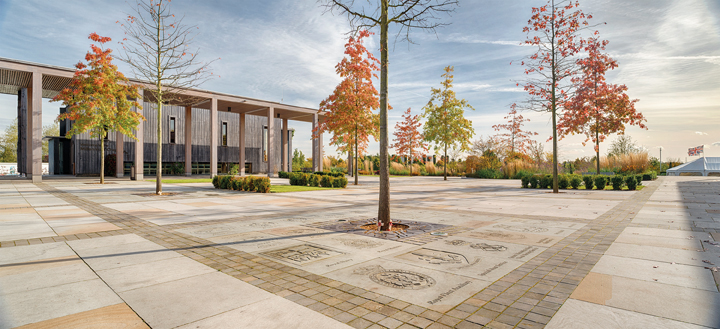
(600, 181)
(248, 183)
(563, 182)
(525, 180)
(650, 175)
(327, 180)
(534, 181)
(575, 181)
(617, 182)
(546, 181)
(631, 182)
(283, 174)
(588, 181)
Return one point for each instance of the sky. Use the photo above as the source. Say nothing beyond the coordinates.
(668, 53)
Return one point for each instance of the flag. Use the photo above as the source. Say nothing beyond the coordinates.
(693, 151)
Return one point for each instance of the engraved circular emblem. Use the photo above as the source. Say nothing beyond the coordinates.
(402, 279)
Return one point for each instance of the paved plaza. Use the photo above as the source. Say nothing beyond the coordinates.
(479, 253)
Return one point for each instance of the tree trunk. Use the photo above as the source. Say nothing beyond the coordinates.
(158, 180)
(102, 158)
(355, 167)
(384, 200)
(554, 106)
(445, 162)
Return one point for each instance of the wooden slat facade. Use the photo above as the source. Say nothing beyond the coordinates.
(87, 159)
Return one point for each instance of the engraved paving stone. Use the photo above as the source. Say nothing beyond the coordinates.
(396, 278)
(301, 254)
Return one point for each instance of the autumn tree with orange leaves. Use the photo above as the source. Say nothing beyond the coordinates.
(597, 107)
(514, 135)
(555, 30)
(408, 138)
(349, 110)
(97, 99)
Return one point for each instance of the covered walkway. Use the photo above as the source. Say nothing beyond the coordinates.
(40, 81)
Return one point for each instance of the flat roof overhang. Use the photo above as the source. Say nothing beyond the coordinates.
(17, 74)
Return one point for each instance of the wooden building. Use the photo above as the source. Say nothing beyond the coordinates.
(237, 135)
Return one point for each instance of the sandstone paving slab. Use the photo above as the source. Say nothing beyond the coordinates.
(113, 316)
(462, 262)
(115, 240)
(25, 229)
(471, 247)
(18, 214)
(52, 302)
(663, 233)
(23, 277)
(689, 243)
(32, 253)
(531, 228)
(85, 228)
(678, 303)
(576, 314)
(268, 313)
(114, 256)
(662, 255)
(435, 290)
(541, 223)
(148, 274)
(672, 274)
(512, 237)
(193, 298)
(253, 242)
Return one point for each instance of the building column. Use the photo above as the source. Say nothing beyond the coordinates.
(213, 138)
(314, 143)
(119, 154)
(33, 132)
(241, 163)
(140, 142)
(285, 145)
(188, 140)
(271, 141)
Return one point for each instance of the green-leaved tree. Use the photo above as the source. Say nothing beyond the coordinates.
(446, 126)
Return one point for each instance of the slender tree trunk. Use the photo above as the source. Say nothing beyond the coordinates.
(597, 131)
(445, 162)
(158, 180)
(554, 105)
(102, 158)
(355, 167)
(384, 201)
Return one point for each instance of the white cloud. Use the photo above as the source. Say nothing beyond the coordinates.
(716, 144)
(701, 133)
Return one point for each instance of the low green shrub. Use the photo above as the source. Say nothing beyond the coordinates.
(575, 181)
(250, 184)
(326, 181)
(649, 175)
(546, 181)
(631, 182)
(563, 182)
(224, 182)
(314, 180)
(341, 181)
(216, 181)
(283, 174)
(483, 173)
(617, 182)
(638, 178)
(525, 180)
(600, 181)
(534, 181)
(236, 183)
(588, 181)
(521, 173)
(262, 184)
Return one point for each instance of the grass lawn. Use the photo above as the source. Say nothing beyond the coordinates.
(181, 181)
(295, 188)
